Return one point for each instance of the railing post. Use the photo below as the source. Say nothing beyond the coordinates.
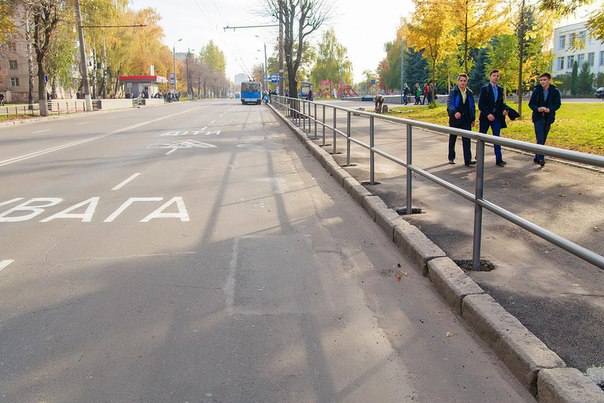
(477, 208)
(409, 172)
(315, 121)
(371, 152)
(323, 126)
(334, 130)
(303, 116)
(348, 139)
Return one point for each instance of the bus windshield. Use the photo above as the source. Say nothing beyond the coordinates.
(250, 87)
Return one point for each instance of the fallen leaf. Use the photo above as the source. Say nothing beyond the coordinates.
(449, 334)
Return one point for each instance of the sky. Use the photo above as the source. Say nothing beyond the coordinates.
(363, 27)
(360, 26)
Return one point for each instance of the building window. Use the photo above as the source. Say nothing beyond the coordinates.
(591, 58)
(560, 63)
(581, 59)
(569, 62)
(562, 42)
(602, 58)
(12, 46)
(12, 64)
(14, 81)
(583, 37)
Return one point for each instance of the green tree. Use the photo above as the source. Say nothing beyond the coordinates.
(503, 56)
(574, 79)
(600, 80)
(585, 80)
(416, 67)
(562, 82)
(331, 62)
(478, 74)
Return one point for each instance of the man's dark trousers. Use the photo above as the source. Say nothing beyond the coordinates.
(496, 129)
(466, 143)
(541, 132)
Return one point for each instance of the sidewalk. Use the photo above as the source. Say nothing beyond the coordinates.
(555, 295)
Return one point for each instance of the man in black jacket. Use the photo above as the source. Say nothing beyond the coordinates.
(493, 111)
(462, 115)
(544, 103)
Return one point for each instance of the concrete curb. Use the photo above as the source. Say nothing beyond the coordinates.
(566, 385)
(537, 367)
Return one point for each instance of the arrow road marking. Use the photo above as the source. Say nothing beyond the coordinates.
(5, 263)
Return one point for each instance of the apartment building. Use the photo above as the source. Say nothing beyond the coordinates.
(14, 70)
(566, 51)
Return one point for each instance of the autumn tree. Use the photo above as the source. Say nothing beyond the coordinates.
(474, 23)
(299, 18)
(427, 30)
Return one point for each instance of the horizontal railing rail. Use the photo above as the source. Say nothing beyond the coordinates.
(300, 111)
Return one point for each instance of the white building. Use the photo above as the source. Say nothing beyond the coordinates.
(565, 54)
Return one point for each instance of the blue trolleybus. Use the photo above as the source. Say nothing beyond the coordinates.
(251, 93)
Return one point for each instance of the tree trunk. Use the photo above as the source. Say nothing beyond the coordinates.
(521, 33)
(42, 90)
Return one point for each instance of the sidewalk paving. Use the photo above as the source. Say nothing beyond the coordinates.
(556, 295)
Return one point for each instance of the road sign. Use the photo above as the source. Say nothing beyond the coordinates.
(171, 78)
(274, 78)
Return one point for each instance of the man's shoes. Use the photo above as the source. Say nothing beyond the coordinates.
(451, 162)
(501, 163)
(541, 162)
(470, 163)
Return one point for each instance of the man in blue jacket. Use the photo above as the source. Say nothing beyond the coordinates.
(544, 103)
(462, 115)
(493, 111)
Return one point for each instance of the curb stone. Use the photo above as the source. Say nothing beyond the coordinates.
(452, 282)
(519, 349)
(535, 366)
(567, 385)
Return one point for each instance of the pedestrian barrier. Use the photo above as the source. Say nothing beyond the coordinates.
(305, 114)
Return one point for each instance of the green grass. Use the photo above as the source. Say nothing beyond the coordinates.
(578, 126)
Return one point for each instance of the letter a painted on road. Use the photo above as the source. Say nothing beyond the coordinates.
(180, 204)
(86, 216)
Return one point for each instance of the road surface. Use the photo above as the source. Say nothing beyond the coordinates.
(196, 252)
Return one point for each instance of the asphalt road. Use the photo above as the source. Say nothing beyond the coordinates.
(196, 252)
(556, 295)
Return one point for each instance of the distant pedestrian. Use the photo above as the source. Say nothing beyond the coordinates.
(493, 111)
(379, 101)
(426, 91)
(418, 94)
(462, 115)
(544, 103)
(406, 93)
(1, 99)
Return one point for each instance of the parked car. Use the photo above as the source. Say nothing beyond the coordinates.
(600, 92)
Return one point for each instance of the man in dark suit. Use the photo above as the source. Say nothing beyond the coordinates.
(544, 103)
(493, 111)
(462, 115)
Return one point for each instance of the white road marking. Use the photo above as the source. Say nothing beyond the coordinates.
(83, 123)
(171, 151)
(75, 143)
(124, 183)
(41, 131)
(4, 263)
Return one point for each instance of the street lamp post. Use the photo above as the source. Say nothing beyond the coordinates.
(265, 70)
(174, 64)
(189, 87)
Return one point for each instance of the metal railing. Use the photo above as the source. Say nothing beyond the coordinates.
(56, 107)
(301, 113)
